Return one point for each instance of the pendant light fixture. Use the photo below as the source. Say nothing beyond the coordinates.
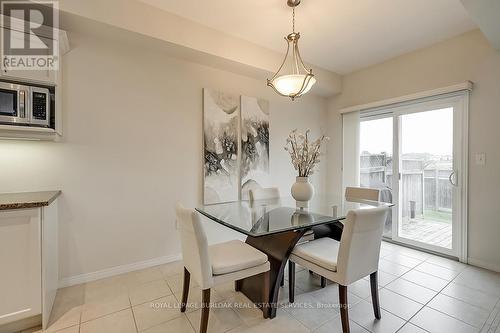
(300, 79)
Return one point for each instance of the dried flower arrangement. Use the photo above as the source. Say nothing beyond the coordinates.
(304, 153)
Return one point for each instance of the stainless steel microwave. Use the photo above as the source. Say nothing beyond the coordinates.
(24, 105)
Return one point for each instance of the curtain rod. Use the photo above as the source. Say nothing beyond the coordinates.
(467, 85)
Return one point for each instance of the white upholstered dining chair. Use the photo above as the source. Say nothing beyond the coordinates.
(361, 193)
(267, 193)
(273, 193)
(347, 261)
(352, 194)
(210, 265)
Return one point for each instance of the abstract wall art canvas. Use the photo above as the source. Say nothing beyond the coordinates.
(254, 167)
(221, 123)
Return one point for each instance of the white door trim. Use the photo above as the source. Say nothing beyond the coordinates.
(396, 184)
(464, 178)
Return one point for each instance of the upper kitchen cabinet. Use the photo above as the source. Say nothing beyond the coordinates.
(50, 77)
(37, 76)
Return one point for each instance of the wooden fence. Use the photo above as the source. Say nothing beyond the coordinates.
(425, 184)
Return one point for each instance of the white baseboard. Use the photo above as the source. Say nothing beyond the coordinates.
(108, 272)
(21, 325)
(482, 264)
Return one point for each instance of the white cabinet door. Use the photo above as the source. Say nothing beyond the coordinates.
(20, 262)
(41, 76)
(50, 262)
(35, 76)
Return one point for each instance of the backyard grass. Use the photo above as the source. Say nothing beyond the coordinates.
(436, 215)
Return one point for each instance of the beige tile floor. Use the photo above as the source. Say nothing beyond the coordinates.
(418, 292)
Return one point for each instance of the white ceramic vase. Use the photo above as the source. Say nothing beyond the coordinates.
(302, 191)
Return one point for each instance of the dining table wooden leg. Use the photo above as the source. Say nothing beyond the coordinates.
(265, 295)
(278, 248)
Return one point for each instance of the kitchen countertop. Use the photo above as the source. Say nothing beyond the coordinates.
(25, 200)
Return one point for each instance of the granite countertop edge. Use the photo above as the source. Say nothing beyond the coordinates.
(26, 200)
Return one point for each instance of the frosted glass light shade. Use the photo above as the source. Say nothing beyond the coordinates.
(290, 85)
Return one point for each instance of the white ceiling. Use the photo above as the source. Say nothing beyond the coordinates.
(338, 35)
(486, 15)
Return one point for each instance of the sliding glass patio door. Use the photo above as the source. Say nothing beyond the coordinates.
(416, 155)
(429, 187)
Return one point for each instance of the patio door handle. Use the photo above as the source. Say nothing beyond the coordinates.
(450, 178)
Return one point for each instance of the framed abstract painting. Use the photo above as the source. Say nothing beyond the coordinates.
(221, 123)
(254, 167)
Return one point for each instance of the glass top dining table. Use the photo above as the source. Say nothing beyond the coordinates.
(265, 217)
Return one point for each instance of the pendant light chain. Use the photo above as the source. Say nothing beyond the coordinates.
(295, 66)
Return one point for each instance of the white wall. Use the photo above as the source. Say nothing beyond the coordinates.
(132, 147)
(466, 57)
